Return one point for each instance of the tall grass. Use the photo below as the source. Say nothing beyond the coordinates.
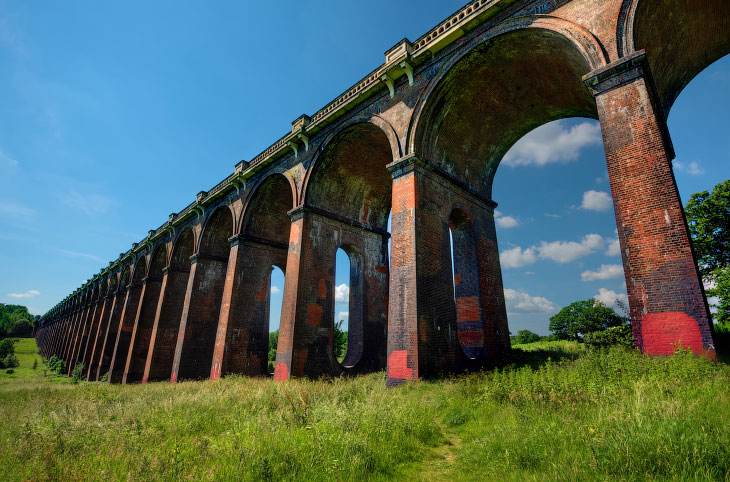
(555, 412)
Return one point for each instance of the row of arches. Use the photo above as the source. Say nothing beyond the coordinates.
(201, 309)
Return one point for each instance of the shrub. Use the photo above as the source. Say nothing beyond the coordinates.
(35, 363)
(526, 336)
(78, 373)
(11, 361)
(617, 335)
(7, 347)
(9, 371)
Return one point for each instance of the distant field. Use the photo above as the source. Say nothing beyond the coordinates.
(558, 412)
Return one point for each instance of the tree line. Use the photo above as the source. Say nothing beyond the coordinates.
(15, 321)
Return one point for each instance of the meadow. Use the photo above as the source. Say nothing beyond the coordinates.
(555, 411)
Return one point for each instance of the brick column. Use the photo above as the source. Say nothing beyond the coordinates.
(81, 336)
(85, 356)
(432, 327)
(163, 340)
(124, 332)
(107, 347)
(666, 296)
(142, 331)
(98, 338)
(199, 320)
(242, 339)
(306, 332)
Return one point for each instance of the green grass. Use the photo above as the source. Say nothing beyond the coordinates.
(24, 376)
(556, 412)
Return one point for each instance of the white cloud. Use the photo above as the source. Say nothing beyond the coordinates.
(516, 258)
(692, 168)
(75, 254)
(567, 251)
(521, 302)
(343, 315)
(506, 222)
(609, 297)
(27, 294)
(553, 142)
(606, 271)
(89, 204)
(529, 273)
(614, 248)
(552, 215)
(558, 251)
(342, 293)
(275, 290)
(596, 201)
(16, 209)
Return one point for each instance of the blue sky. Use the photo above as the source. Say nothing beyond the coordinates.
(113, 115)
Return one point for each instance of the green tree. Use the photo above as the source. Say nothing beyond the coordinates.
(526, 336)
(340, 340)
(708, 218)
(581, 317)
(273, 343)
(7, 347)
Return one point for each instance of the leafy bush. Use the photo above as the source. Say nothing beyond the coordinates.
(57, 365)
(78, 373)
(7, 347)
(11, 361)
(525, 336)
(9, 371)
(616, 335)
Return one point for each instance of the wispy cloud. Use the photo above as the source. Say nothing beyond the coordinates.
(89, 204)
(76, 254)
(606, 271)
(693, 168)
(553, 142)
(7, 160)
(27, 294)
(16, 210)
(596, 201)
(275, 290)
(342, 293)
(521, 302)
(614, 248)
(343, 315)
(558, 251)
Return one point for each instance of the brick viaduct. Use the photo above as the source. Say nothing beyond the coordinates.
(422, 135)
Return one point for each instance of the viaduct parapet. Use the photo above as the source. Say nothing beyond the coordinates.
(421, 138)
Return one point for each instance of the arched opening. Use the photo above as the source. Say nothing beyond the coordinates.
(276, 293)
(489, 99)
(195, 355)
(467, 296)
(348, 198)
(109, 288)
(250, 327)
(96, 298)
(165, 330)
(348, 320)
(680, 41)
(143, 329)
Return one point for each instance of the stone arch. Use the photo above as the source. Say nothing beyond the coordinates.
(348, 176)
(498, 87)
(218, 227)
(679, 42)
(183, 247)
(267, 206)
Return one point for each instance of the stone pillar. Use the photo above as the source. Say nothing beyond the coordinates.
(124, 332)
(306, 334)
(107, 347)
(98, 337)
(163, 340)
(199, 320)
(666, 296)
(81, 336)
(432, 327)
(242, 339)
(91, 335)
(142, 331)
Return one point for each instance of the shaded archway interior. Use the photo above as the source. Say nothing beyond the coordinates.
(267, 215)
(681, 39)
(351, 180)
(500, 91)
